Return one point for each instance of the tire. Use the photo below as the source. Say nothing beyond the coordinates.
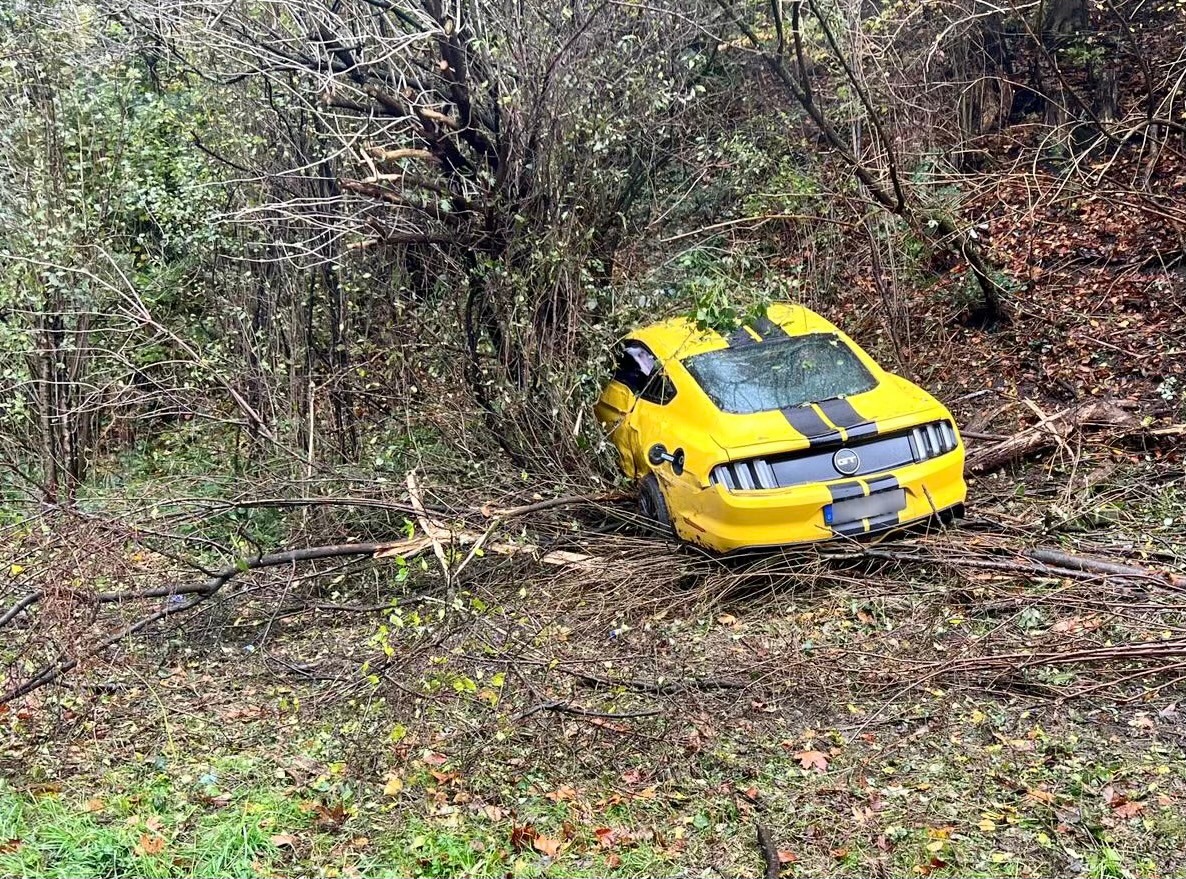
(652, 506)
(952, 514)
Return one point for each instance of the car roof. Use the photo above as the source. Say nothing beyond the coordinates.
(679, 337)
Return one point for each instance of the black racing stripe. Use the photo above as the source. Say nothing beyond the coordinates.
(861, 431)
(768, 329)
(883, 483)
(850, 529)
(843, 491)
(841, 413)
(739, 338)
(805, 420)
(880, 523)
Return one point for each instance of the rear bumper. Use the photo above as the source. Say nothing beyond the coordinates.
(721, 520)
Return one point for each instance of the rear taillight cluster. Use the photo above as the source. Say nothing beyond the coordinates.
(745, 475)
(933, 440)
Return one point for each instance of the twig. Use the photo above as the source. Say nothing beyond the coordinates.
(202, 593)
(768, 850)
(665, 688)
(566, 708)
(432, 529)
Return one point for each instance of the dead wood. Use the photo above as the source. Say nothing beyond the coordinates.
(565, 708)
(660, 688)
(1093, 565)
(769, 852)
(1051, 431)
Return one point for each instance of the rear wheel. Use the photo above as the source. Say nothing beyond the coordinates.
(951, 514)
(652, 506)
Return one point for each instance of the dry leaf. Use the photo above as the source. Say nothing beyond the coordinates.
(1040, 796)
(492, 812)
(434, 759)
(726, 619)
(394, 785)
(154, 823)
(521, 837)
(786, 856)
(550, 847)
(1128, 810)
(284, 840)
(816, 760)
(631, 776)
(9, 846)
(562, 793)
(92, 806)
(151, 844)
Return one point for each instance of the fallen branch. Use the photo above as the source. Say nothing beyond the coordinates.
(201, 592)
(659, 688)
(768, 850)
(1093, 565)
(566, 708)
(1050, 431)
(207, 589)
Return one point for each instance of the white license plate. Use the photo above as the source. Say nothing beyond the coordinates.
(870, 507)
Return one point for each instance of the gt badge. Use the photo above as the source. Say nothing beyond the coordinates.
(846, 461)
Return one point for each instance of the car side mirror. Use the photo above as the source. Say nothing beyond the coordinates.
(658, 454)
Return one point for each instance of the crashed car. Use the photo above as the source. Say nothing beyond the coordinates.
(782, 431)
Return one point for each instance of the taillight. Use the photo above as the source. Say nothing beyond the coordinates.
(933, 440)
(744, 475)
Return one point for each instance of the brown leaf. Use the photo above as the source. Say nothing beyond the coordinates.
(434, 759)
(613, 861)
(1040, 796)
(726, 619)
(550, 847)
(492, 812)
(631, 776)
(521, 837)
(330, 817)
(562, 793)
(1128, 810)
(817, 760)
(151, 844)
(606, 836)
(93, 805)
(9, 846)
(786, 856)
(282, 840)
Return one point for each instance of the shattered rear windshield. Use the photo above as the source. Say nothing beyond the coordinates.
(776, 374)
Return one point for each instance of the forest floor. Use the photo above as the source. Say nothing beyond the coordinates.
(645, 717)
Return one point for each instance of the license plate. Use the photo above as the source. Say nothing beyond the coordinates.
(857, 508)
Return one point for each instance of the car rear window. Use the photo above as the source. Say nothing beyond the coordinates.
(776, 374)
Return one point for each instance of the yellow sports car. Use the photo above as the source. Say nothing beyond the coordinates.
(784, 431)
